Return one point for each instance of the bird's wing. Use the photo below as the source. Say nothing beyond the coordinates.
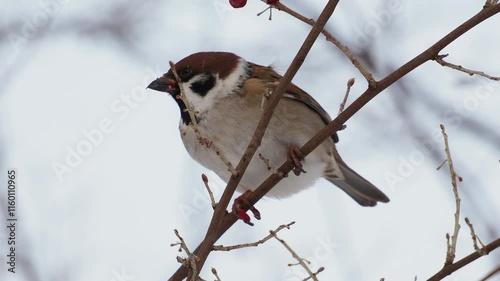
(292, 92)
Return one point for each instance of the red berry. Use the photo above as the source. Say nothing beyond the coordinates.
(238, 3)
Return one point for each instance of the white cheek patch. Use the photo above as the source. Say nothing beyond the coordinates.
(221, 89)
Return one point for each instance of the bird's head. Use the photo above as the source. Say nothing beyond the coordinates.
(206, 78)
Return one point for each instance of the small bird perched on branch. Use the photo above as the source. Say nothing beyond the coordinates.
(226, 96)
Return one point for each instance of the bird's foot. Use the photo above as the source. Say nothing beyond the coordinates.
(295, 156)
(241, 205)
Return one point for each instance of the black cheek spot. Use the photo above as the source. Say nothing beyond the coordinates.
(203, 86)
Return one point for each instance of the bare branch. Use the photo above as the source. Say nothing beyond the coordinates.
(440, 59)
(441, 165)
(270, 8)
(350, 83)
(449, 269)
(449, 266)
(475, 238)
(214, 272)
(191, 260)
(370, 93)
(329, 37)
(254, 244)
(268, 165)
(220, 221)
(210, 193)
(182, 96)
(295, 256)
(266, 161)
(451, 247)
(315, 273)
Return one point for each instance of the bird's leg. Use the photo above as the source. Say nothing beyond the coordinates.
(295, 156)
(241, 205)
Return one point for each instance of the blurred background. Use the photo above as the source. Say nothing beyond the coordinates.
(103, 178)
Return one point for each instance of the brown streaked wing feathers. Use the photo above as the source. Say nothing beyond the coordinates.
(292, 92)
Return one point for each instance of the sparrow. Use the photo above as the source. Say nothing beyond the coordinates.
(227, 95)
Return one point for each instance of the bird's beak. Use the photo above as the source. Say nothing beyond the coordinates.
(164, 84)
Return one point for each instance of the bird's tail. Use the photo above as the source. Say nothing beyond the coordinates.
(361, 190)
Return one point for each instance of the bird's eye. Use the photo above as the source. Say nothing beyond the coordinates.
(185, 72)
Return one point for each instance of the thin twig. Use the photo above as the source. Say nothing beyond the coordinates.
(192, 258)
(194, 124)
(270, 8)
(214, 272)
(182, 96)
(254, 244)
(329, 37)
(350, 83)
(439, 59)
(451, 247)
(210, 144)
(295, 256)
(266, 161)
(268, 165)
(475, 238)
(315, 273)
(210, 193)
(441, 165)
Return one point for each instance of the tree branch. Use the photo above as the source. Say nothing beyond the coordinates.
(440, 59)
(475, 238)
(449, 269)
(451, 247)
(221, 221)
(204, 178)
(295, 256)
(370, 93)
(329, 37)
(216, 224)
(253, 244)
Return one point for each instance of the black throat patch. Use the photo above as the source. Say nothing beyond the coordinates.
(185, 117)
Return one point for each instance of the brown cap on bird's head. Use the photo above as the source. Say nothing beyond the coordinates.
(219, 63)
